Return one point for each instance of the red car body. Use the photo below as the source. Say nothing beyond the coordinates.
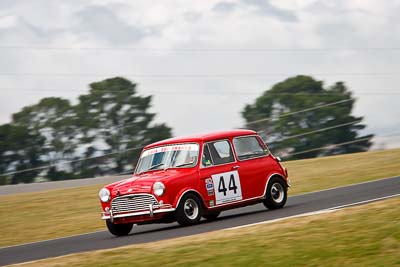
(223, 175)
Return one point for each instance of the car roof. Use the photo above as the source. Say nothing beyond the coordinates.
(202, 137)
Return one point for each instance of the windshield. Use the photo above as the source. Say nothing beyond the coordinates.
(172, 156)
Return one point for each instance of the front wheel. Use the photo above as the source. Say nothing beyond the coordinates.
(189, 210)
(276, 195)
(119, 229)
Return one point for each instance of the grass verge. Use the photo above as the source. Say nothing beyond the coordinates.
(360, 236)
(58, 213)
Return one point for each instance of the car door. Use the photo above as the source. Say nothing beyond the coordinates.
(253, 164)
(219, 174)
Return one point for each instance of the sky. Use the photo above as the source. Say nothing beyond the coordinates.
(203, 60)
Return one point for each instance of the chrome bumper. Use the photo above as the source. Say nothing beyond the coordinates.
(152, 210)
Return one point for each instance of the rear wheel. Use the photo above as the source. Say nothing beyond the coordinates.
(211, 216)
(189, 210)
(119, 229)
(276, 195)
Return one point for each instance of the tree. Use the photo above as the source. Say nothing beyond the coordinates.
(299, 115)
(114, 118)
(55, 120)
(19, 149)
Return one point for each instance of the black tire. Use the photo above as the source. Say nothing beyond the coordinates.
(189, 210)
(211, 216)
(276, 194)
(119, 229)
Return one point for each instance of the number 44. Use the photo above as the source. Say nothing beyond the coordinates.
(231, 186)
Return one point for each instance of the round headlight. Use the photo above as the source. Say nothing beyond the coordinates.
(158, 188)
(104, 195)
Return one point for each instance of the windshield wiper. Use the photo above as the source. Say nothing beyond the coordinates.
(155, 166)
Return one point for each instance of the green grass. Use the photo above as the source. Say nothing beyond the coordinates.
(58, 213)
(44, 215)
(360, 236)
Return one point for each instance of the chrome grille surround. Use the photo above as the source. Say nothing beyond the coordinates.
(133, 203)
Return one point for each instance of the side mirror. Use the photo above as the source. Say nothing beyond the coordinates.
(278, 159)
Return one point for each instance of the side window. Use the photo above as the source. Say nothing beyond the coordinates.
(248, 147)
(206, 160)
(219, 152)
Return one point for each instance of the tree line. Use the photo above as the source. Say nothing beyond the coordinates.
(112, 118)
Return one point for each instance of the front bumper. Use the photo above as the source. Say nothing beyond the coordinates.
(153, 209)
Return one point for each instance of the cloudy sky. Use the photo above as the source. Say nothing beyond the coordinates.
(202, 60)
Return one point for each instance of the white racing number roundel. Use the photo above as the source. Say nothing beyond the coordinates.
(227, 187)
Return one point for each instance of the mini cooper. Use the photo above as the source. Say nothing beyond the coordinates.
(186, 178)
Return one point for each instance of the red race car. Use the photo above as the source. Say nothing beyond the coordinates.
(183, 179)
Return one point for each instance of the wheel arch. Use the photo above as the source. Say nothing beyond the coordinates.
(277, 175)
(188, 191)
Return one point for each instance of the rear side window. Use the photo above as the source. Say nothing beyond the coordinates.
(216, 153)
(248, 147)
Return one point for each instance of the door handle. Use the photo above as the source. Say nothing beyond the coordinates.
(235, 167)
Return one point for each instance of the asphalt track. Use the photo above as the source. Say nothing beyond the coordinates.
(248, 215)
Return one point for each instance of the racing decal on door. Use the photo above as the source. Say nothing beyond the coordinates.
(227, 187)
(210, 187)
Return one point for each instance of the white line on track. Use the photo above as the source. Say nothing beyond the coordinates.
(281, 219)
(328, 210)
(348, 185)
(363, 202)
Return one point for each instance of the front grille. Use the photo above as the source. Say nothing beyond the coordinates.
(132, 203)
